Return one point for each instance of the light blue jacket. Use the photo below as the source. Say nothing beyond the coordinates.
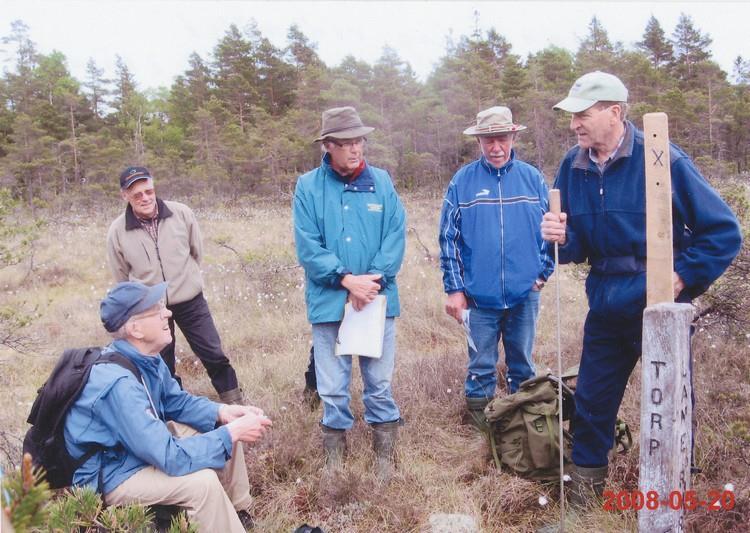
(114, 411)
(342, 228)
(491, 244)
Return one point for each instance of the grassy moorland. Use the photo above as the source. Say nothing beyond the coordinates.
(255, 290)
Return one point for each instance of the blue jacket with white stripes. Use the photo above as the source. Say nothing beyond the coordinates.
(491, 245)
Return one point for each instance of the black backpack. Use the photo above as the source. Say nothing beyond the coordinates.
(45, 440)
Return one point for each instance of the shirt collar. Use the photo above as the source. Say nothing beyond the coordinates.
(132, 222)
(583, 159)
(592, 153)
(503, 169)
(142, 361)
(364, 182)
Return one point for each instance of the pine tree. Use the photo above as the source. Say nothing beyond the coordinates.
(690, 47)
(235, 75)
(20, 84)
(190, 92)
(276, 79)
(96, 87)
(656, 46)
(596, 51)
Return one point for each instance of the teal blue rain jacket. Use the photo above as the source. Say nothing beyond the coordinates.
(342, 228)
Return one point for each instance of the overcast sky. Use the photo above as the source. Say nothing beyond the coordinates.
(155, 38)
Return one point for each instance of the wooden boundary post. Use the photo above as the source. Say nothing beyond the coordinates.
(666, 386)
(658, 209)
(666, 417)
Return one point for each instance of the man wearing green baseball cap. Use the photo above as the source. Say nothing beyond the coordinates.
(603, 193)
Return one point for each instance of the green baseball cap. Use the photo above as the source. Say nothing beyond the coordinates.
(592, 88)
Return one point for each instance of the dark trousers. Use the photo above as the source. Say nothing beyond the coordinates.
(194, 320)
(310, 381)
(611, 348)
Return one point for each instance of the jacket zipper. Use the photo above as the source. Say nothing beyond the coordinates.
(161, 267)
(502, 239)
(158, 258)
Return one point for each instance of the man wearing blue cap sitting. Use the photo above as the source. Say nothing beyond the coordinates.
(155, 241)
(159, 444)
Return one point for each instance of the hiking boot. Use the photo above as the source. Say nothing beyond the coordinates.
(246, 519)
(334, 446)
(586, 486)
(310, 397)
(474, 414)
(384, 437)
(233, 396)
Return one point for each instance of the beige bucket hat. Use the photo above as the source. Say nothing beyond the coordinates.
(342, 123)
(497, 119)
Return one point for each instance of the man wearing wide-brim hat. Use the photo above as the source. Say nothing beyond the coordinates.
(493, 258)
(349, 228)
(602, 185)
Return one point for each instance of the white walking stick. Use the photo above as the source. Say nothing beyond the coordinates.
(554, 207)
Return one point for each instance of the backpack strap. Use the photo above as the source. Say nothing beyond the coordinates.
(493, 447)
(118, 359)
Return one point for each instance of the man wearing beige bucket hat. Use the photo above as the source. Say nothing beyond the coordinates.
(493, 258)
(349, 229)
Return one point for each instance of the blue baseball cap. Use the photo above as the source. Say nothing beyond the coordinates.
(126, 299)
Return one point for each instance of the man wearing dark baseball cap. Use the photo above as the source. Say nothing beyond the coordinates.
(156, 241)
(160, 444)
(602, 188)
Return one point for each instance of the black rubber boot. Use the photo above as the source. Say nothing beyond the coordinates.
(384, 437)
(586, 486)
(233, 396)
(475, 413)
(334, 446)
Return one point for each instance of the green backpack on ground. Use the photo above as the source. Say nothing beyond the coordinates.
(523, 428)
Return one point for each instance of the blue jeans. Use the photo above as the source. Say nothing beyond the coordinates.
(517, 328)
(334, 374)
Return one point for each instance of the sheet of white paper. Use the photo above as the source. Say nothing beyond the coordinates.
(361, 332)
(465, 321)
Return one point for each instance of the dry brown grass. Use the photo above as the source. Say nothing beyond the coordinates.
(255, 291)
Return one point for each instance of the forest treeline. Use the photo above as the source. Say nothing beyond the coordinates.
(242, 119)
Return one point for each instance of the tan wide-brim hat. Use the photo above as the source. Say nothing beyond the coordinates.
(342, 123)
(494, 120)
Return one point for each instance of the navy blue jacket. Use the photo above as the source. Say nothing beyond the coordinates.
(491, 245)
(607, 219)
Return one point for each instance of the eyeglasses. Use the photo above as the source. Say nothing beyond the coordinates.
(140, 195)
(159, 311)
(349, 142)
